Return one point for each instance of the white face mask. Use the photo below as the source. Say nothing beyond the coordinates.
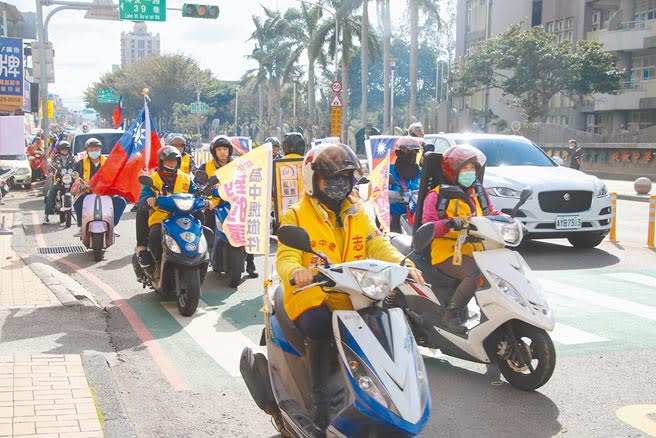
(94, 155)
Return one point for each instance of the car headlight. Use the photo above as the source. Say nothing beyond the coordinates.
(22, 171)
(367, 381)
(202, 244)
(504, 192)
(603, 191)
(509, 290)
(171, 244)
(375, 285)
(512, 233)
(184, 204)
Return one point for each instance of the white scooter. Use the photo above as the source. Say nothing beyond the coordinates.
(97, 221)
(514, 314)
(373, 375)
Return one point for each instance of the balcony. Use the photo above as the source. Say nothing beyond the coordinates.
(635, 35)
(632, 96)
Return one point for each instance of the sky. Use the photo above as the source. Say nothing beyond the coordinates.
(86, 49)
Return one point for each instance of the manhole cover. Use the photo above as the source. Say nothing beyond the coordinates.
(71, 249)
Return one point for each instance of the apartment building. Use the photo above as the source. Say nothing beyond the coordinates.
(138, 44)
(625, 27)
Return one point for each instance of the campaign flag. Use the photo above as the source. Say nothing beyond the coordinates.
(117, 114)
(241, 145)
(378, 148)
(245, 183)
(134, 153)
(318, 141)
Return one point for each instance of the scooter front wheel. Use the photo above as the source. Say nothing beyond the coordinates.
(235, 265)
(68, 218)
(97, 245)
(189, 295)
(529, 362)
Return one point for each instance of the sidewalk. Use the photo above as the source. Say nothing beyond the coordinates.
(44, 395)
(625, 190)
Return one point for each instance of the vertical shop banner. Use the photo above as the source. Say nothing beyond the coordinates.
(11, 73)
(245, 183)
(288, 185)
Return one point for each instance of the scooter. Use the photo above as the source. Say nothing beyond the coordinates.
(373, 374)
(38, 166)
(183, 267)
(64, 197)
(97, 224)
(515, 317)
(4, 179)
(224, 257)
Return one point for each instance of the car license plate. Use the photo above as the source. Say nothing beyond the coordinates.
(568, 222)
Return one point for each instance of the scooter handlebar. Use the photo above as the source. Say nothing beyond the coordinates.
(318, 278)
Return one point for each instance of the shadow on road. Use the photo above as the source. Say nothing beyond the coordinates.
(547, 256)
(466, 404)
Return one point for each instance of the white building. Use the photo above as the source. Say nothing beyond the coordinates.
(138, 44)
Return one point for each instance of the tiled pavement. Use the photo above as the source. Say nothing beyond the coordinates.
(41, 395)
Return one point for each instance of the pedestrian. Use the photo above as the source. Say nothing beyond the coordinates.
(575, 154)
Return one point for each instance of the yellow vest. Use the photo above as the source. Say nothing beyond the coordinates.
(210, 168)
(443, 247)
(185, 164)
(344, 244)
(182, 182)
(86, 167)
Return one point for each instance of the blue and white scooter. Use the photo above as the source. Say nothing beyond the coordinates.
(374, 377)
(183, 267)
(223, 256)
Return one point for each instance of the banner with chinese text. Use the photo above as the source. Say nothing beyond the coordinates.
(245, 183)
(288, 186)
(11, 73)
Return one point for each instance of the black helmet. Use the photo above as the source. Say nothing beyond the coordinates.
(293, 143)
(63, 145)
(273, 140)
(168, 153)
(92, 142)
(220, 141)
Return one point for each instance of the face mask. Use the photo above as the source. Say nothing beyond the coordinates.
(466, 179)
(94, 155)
(337, 189)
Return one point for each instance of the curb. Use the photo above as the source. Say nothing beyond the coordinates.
(111, 411)
(639, 198)
(67, 290)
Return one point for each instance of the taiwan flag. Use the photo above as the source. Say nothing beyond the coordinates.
(379, 148)
(133, 155)
(117, 115)
(241, 145)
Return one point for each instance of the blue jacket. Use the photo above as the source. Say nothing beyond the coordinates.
(410, 185)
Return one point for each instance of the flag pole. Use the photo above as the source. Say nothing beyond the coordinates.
(148, 128)
(267, 241)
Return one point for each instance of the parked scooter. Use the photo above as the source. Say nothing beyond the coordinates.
(373, 374)
(37, 163)
(511, 330)
(64, 197)
(183, 267)
(97, 220)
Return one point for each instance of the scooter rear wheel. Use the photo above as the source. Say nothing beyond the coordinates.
(189, 296)
(68, 218)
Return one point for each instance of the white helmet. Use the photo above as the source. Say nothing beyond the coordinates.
(327, 159)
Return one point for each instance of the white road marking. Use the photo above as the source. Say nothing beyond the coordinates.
(224, 347)
(598, 299)
(564, 334)
(634, 278)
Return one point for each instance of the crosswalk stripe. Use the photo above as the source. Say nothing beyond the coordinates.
(634, 278)
(567, 335)
(224, 347)
(599, 299)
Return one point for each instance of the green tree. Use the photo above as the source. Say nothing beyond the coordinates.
(532, 66)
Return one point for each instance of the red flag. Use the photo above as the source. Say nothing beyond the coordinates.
(120, 173)
(117, 115)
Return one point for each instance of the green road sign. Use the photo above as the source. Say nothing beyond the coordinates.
(106, 96)
(142, 10)
(198, 107)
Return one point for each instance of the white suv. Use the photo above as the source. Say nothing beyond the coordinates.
(565, 203)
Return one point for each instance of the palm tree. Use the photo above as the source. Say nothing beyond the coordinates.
(364, 58)
(384, 17)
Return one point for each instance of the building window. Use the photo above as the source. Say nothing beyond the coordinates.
(645, 10)
(563, 29)
(550, 27)
(643, 68)
(475, 14)
(536, 17)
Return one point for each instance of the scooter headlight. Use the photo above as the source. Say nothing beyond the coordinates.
(512, 233)
(375, 285)
(509, 290)
(202, 244)
(67, 179)
(22, 171)
(367, 381)
(184, 204)
(171, 244)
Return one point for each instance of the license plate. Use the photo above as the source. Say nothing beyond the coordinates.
(568, 222)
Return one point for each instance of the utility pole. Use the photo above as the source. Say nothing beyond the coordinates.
(200, 138)
(236, 110)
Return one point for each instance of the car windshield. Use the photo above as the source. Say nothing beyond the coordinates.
(13, 157)
(108, 140)
(509, 152)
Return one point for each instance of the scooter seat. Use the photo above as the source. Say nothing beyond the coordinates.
(292, 333)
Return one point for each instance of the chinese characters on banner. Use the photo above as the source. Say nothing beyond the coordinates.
(245, 183)
(288, 184)
(11, 73)
(378, 149)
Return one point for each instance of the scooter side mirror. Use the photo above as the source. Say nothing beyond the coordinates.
(394, 197)
(213, 181)
(420, 239)
(146, 181)
(523, 197)
(201, 177)
(295, 237)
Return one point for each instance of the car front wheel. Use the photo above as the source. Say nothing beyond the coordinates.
(586, 240)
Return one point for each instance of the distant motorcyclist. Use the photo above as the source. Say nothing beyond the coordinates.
(188, 165)
(405, 176)
(275, 147)
(293, 145)
(86, 169)
(461, 167)
(63, 160)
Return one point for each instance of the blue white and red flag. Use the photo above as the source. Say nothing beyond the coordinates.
(241, 145)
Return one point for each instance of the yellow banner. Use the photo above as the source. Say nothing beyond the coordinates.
(288, 186)
(245, 183)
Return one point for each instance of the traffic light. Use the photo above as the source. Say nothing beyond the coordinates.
(194, 10)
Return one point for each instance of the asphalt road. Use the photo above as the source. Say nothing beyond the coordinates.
(178, 377)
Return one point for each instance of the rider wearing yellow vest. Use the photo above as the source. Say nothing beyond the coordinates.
(337, 226)
(461, 167)
(187, 164)
(293, 145)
